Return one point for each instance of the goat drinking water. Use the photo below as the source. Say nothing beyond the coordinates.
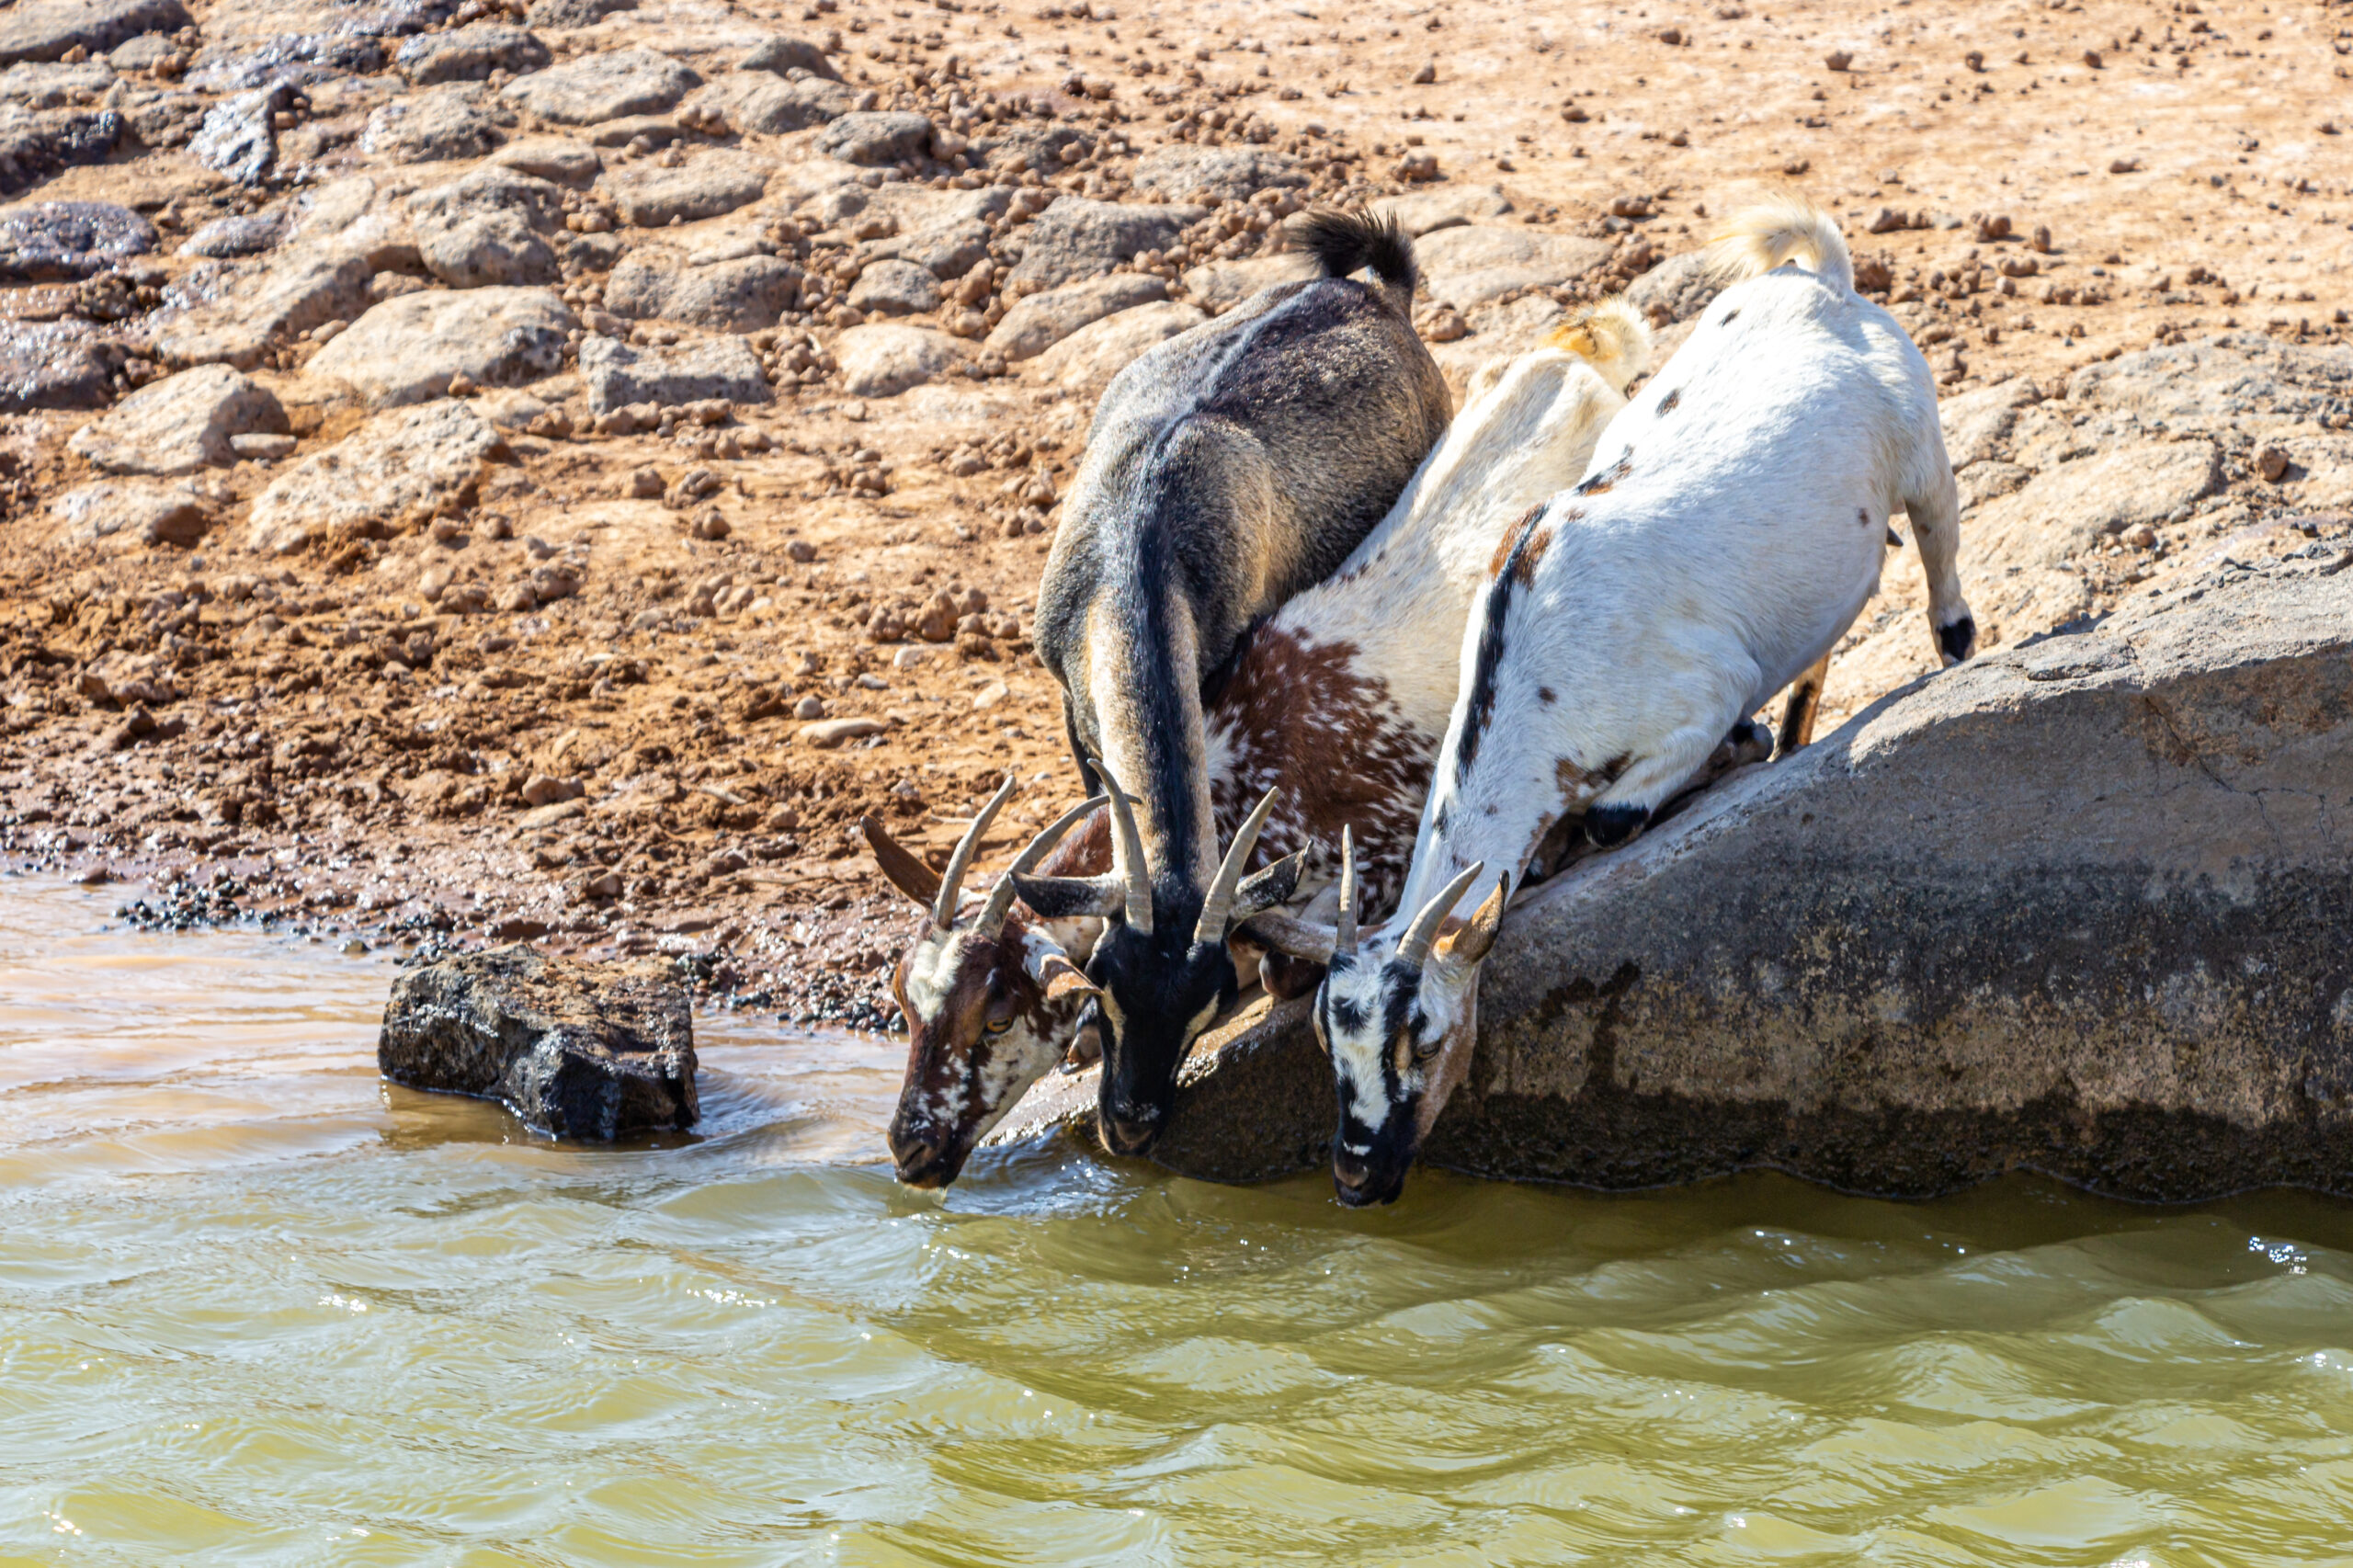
(1727, 533)
(1336, 704)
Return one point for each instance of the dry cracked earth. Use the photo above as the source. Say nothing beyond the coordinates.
(473, 473)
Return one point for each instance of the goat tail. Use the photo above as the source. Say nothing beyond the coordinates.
(1786, 228)
(1611, 337)
(1343, 242)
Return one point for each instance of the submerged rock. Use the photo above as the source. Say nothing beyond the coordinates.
(70, 239)
(44, 367)
(576, 1049)
(2082, 906)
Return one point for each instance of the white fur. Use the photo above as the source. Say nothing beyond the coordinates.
(1741, 530)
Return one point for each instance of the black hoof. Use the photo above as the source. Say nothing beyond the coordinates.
(1608, 827)
(1959, 641)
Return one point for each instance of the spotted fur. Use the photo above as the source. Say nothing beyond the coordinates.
(1705, 562)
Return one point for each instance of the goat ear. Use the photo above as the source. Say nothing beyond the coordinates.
(1059, 977)
(901, 869)
(1065, 898)
(1468, 942)
(1265, 888)
(1293, 937)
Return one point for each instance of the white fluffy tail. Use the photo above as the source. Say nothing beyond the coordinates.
(1787, 228)
(1612, 338)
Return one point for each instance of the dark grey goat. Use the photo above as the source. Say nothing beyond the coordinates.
(1226, 469)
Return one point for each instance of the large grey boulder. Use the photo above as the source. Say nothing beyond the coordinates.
(885, 358)
(579, 1051)
(1176, 171)
(781, 55)
(754, 101)
(1087, 360)
(456, 120)
(876, 136)
(45, 365)
(1076, 239)
(597, 87)
(895, 288)
(484, 229)
(306, 287)
(180, 424)
(2082, 906)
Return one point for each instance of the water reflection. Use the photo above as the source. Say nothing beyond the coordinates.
(257, 1305)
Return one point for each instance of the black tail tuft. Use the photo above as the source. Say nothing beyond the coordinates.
(1343, 242)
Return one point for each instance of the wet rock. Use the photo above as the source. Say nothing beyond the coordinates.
(579, 1051)
(597, 87)
(743, 295)
(469, 53)
(619, 375)
(1087, 360)
(45, 29)
(650, 196)
(248, 234)
(2079, 907)
(1174, 172)
(41, 367)
(755, 102)
(1037, 321)
(1469, 265)
(238, 138)
(460, 120)
(556, 158)
(895, 288)
(394, 471)
(124, 513)
(484, 229)
(70, 239)
(303, 290)
(1077, 239)
(884, 360)
(34, 147)
(178, 425)
(409, 349)
(876, 136)
(1446, 207)
(1217, 286)
(781, 55)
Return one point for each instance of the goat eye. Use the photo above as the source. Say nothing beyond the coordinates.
(999, 1026)
(1428, 1049)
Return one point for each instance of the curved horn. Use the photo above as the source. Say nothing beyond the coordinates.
(1211, 926)
(1131, 857)
(1344, 939)
(952, 880)
(1414, 948)
(1001, 897)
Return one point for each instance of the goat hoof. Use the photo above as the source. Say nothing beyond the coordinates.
(1959, 641)
(1608, 827)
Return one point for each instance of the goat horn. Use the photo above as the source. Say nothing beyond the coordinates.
(952, 880)
(1344, 937)
(1131, 857)
(1211, 928)
(1414, 948)
(1000, 896)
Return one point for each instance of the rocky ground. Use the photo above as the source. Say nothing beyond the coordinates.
(472, 473)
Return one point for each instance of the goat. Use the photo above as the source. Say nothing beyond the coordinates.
(1226, 469)
(1727, 533)
(1336, 703)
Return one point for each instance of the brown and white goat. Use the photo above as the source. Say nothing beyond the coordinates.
(1333, 709)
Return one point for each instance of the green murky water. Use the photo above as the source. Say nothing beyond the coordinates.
(256, 1308)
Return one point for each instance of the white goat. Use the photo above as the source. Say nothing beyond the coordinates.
(1727, 533)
